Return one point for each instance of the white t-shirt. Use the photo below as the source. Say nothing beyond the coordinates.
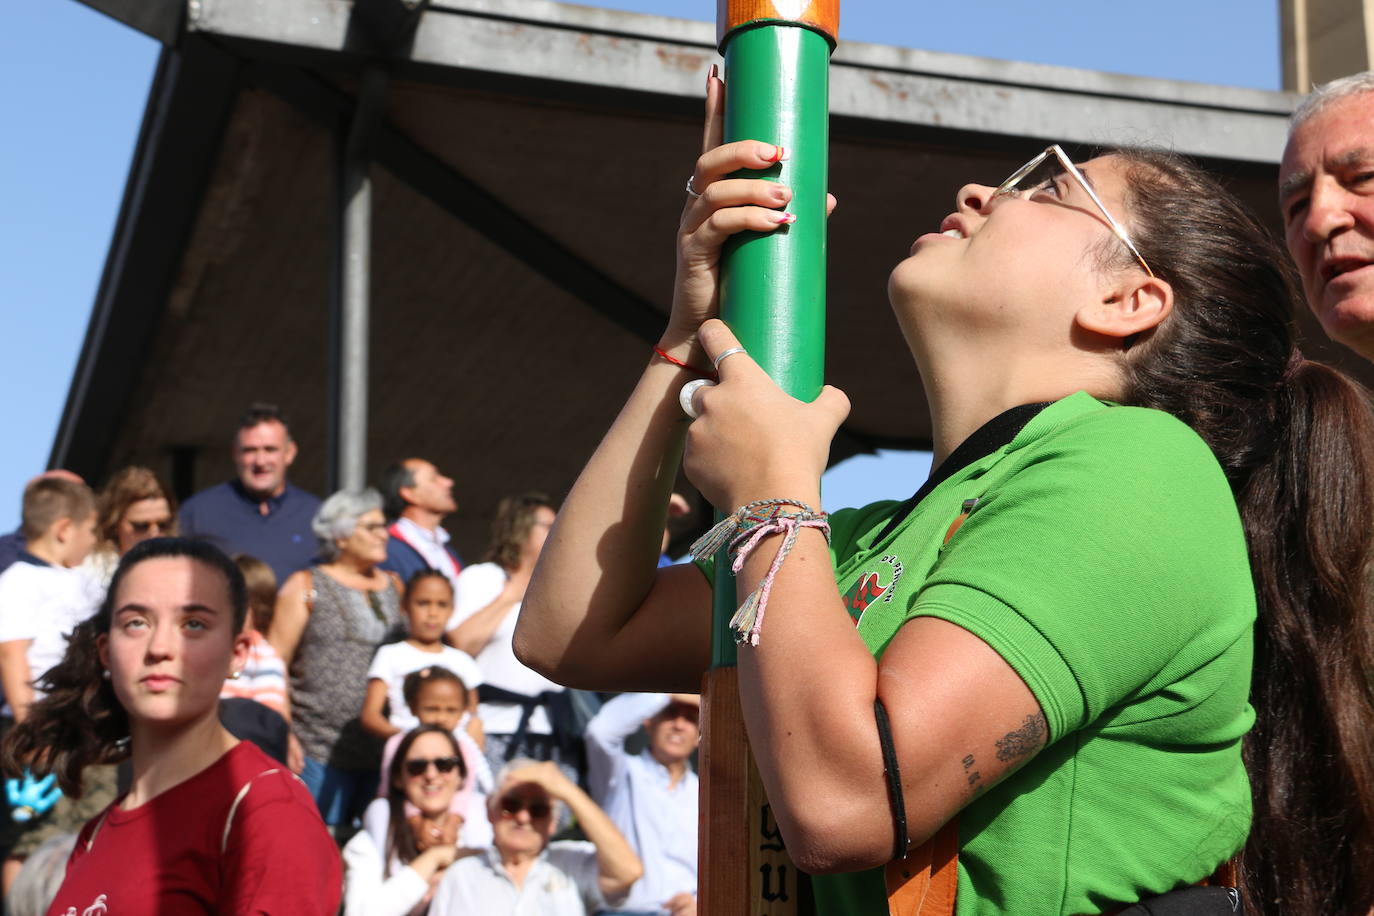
(478, 586)
(43, 604)
(395, 660)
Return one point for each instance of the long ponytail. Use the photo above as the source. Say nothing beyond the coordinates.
(1296, 440)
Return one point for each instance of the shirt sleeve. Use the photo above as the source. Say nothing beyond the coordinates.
(1092, 567)
(16, 619)
(477, 587)
(279, 859)
(463, 665)
(577, 859)
(367, 893)
(381, 667)
(618, 719)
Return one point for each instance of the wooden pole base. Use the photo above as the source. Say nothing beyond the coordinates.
(743, 868)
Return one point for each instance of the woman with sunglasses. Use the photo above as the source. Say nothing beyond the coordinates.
(133, 507)
(523, 872)
(398, 877)
(1043, 658)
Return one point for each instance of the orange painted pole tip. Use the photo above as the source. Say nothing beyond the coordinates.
(821, 15)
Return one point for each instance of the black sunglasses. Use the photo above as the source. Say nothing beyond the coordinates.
(511, 805)
(418, 765)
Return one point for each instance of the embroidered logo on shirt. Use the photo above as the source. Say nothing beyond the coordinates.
(869, 588)
(98, 908)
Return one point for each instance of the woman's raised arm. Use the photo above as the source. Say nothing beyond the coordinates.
(598, 613)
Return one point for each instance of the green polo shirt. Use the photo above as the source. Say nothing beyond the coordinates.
(1106, 563)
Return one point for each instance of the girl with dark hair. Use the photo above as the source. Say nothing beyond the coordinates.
(426, 606)
(1041, 662)
(209, 824)
(398, 877)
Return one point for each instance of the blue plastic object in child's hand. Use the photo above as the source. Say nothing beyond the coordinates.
(28, 798)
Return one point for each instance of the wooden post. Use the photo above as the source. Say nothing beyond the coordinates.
(777, 59)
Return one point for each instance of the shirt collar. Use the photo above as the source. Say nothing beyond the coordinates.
(26, 557)
(273, 502)
(409, 529)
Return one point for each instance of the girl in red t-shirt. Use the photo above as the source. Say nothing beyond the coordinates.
(209, 824)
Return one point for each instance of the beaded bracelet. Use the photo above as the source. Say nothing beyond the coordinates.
(742, 531)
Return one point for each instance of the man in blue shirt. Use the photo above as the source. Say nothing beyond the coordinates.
(259, 513)
(651, 796)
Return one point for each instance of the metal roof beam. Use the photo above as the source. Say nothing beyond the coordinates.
(605, 50)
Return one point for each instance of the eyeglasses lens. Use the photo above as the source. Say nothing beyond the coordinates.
(511, 805)
(417, 766)
(1047, 175)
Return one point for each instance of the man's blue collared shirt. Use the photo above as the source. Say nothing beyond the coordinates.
(228, 517)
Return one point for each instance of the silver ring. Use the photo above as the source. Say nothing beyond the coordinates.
(730, 352)
(688, 392)
(692, 192)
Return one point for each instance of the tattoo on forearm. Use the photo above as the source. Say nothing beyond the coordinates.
(1023, 742)
(974, 777)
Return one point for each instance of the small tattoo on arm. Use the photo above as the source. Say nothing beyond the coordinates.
(973, 776)
(1023, 742)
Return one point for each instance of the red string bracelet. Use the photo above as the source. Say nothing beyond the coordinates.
(688, 366)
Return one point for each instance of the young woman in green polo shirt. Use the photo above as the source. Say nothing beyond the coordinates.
(1059, 628)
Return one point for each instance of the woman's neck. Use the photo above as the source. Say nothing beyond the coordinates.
(163, 758)
(963, 394)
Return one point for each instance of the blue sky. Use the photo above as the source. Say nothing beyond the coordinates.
(74, 84)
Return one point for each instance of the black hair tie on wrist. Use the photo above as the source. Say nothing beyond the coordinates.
(894, 781)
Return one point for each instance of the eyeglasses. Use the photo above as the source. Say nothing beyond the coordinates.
(1041, 171)
(539, 808)
(418, 765)
(161, 524)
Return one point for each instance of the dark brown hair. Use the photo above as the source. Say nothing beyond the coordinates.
(79, 721)
(400, 841)
(128, 486)
(511, 526)
(48, 499)
(1296, 440)
(415, 680)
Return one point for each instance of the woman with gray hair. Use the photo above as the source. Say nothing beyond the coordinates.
(329, 621)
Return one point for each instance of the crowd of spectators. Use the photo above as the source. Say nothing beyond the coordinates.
(379, 670)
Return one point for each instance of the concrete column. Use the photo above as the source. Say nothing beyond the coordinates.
(351, 313)
(1324, 39)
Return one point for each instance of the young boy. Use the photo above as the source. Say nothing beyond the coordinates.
(42, 597)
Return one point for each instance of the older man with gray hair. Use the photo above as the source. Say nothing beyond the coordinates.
(523, 873)
(1326, 194)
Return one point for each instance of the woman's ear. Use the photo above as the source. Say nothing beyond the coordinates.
(102, 650)
(1132, 307)
(243, 646)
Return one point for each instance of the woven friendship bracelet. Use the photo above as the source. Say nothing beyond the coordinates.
(742, 531)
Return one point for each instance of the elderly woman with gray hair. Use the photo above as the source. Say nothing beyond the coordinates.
(329, 621)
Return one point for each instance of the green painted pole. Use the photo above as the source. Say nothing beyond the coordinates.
(777, 89)
(777, 79)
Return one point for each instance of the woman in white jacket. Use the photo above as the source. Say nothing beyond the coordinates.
(398, 878)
